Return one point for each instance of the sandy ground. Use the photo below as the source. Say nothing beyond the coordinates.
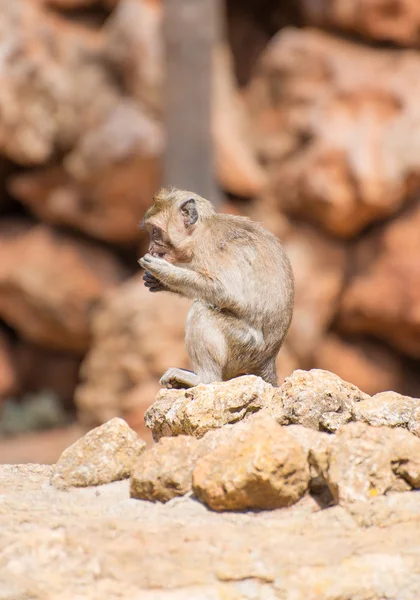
(97, 543)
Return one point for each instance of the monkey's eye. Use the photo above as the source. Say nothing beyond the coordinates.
(155, 232)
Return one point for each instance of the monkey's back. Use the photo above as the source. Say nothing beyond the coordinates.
(253, 265)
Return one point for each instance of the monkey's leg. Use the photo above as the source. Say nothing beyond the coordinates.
(178, 379)
(206, 343)
(268, 372)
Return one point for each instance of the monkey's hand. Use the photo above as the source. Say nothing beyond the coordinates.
(157, 267)
(154, 285)
(153, 267)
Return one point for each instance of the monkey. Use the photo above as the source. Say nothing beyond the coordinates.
(239, 278)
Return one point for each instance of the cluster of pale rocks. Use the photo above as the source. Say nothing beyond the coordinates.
(244, 445)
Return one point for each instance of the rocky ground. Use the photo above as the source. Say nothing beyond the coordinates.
(307, 491)
(316, 133)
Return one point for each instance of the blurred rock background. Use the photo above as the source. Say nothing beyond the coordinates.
(316, 130)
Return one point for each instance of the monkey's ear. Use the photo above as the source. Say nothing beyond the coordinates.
(189, 212)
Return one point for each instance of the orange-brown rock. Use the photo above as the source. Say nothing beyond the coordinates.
(371, 366)
(49, 284)
(134, 46)
(136, 337)
(206, 407)
(260, 466)
(105, 184)
(237, 167)
(105, 454)
(395, 21)
(366, 462)
(318, 264)
(58, 93)
(382, 297)
(317, 446)
(317, 399)
(390, 409)
(265, 210)
(53, 86)
(164, 471)
(337, 124)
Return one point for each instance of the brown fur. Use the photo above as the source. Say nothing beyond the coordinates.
(238, 275)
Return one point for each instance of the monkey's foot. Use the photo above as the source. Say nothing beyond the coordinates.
(179, 379)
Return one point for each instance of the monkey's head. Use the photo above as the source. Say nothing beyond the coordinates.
(172, 222)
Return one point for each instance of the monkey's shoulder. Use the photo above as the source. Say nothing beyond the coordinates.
(235, 233)
(231, 230)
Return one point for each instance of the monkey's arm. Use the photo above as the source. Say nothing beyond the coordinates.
(186, 282)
